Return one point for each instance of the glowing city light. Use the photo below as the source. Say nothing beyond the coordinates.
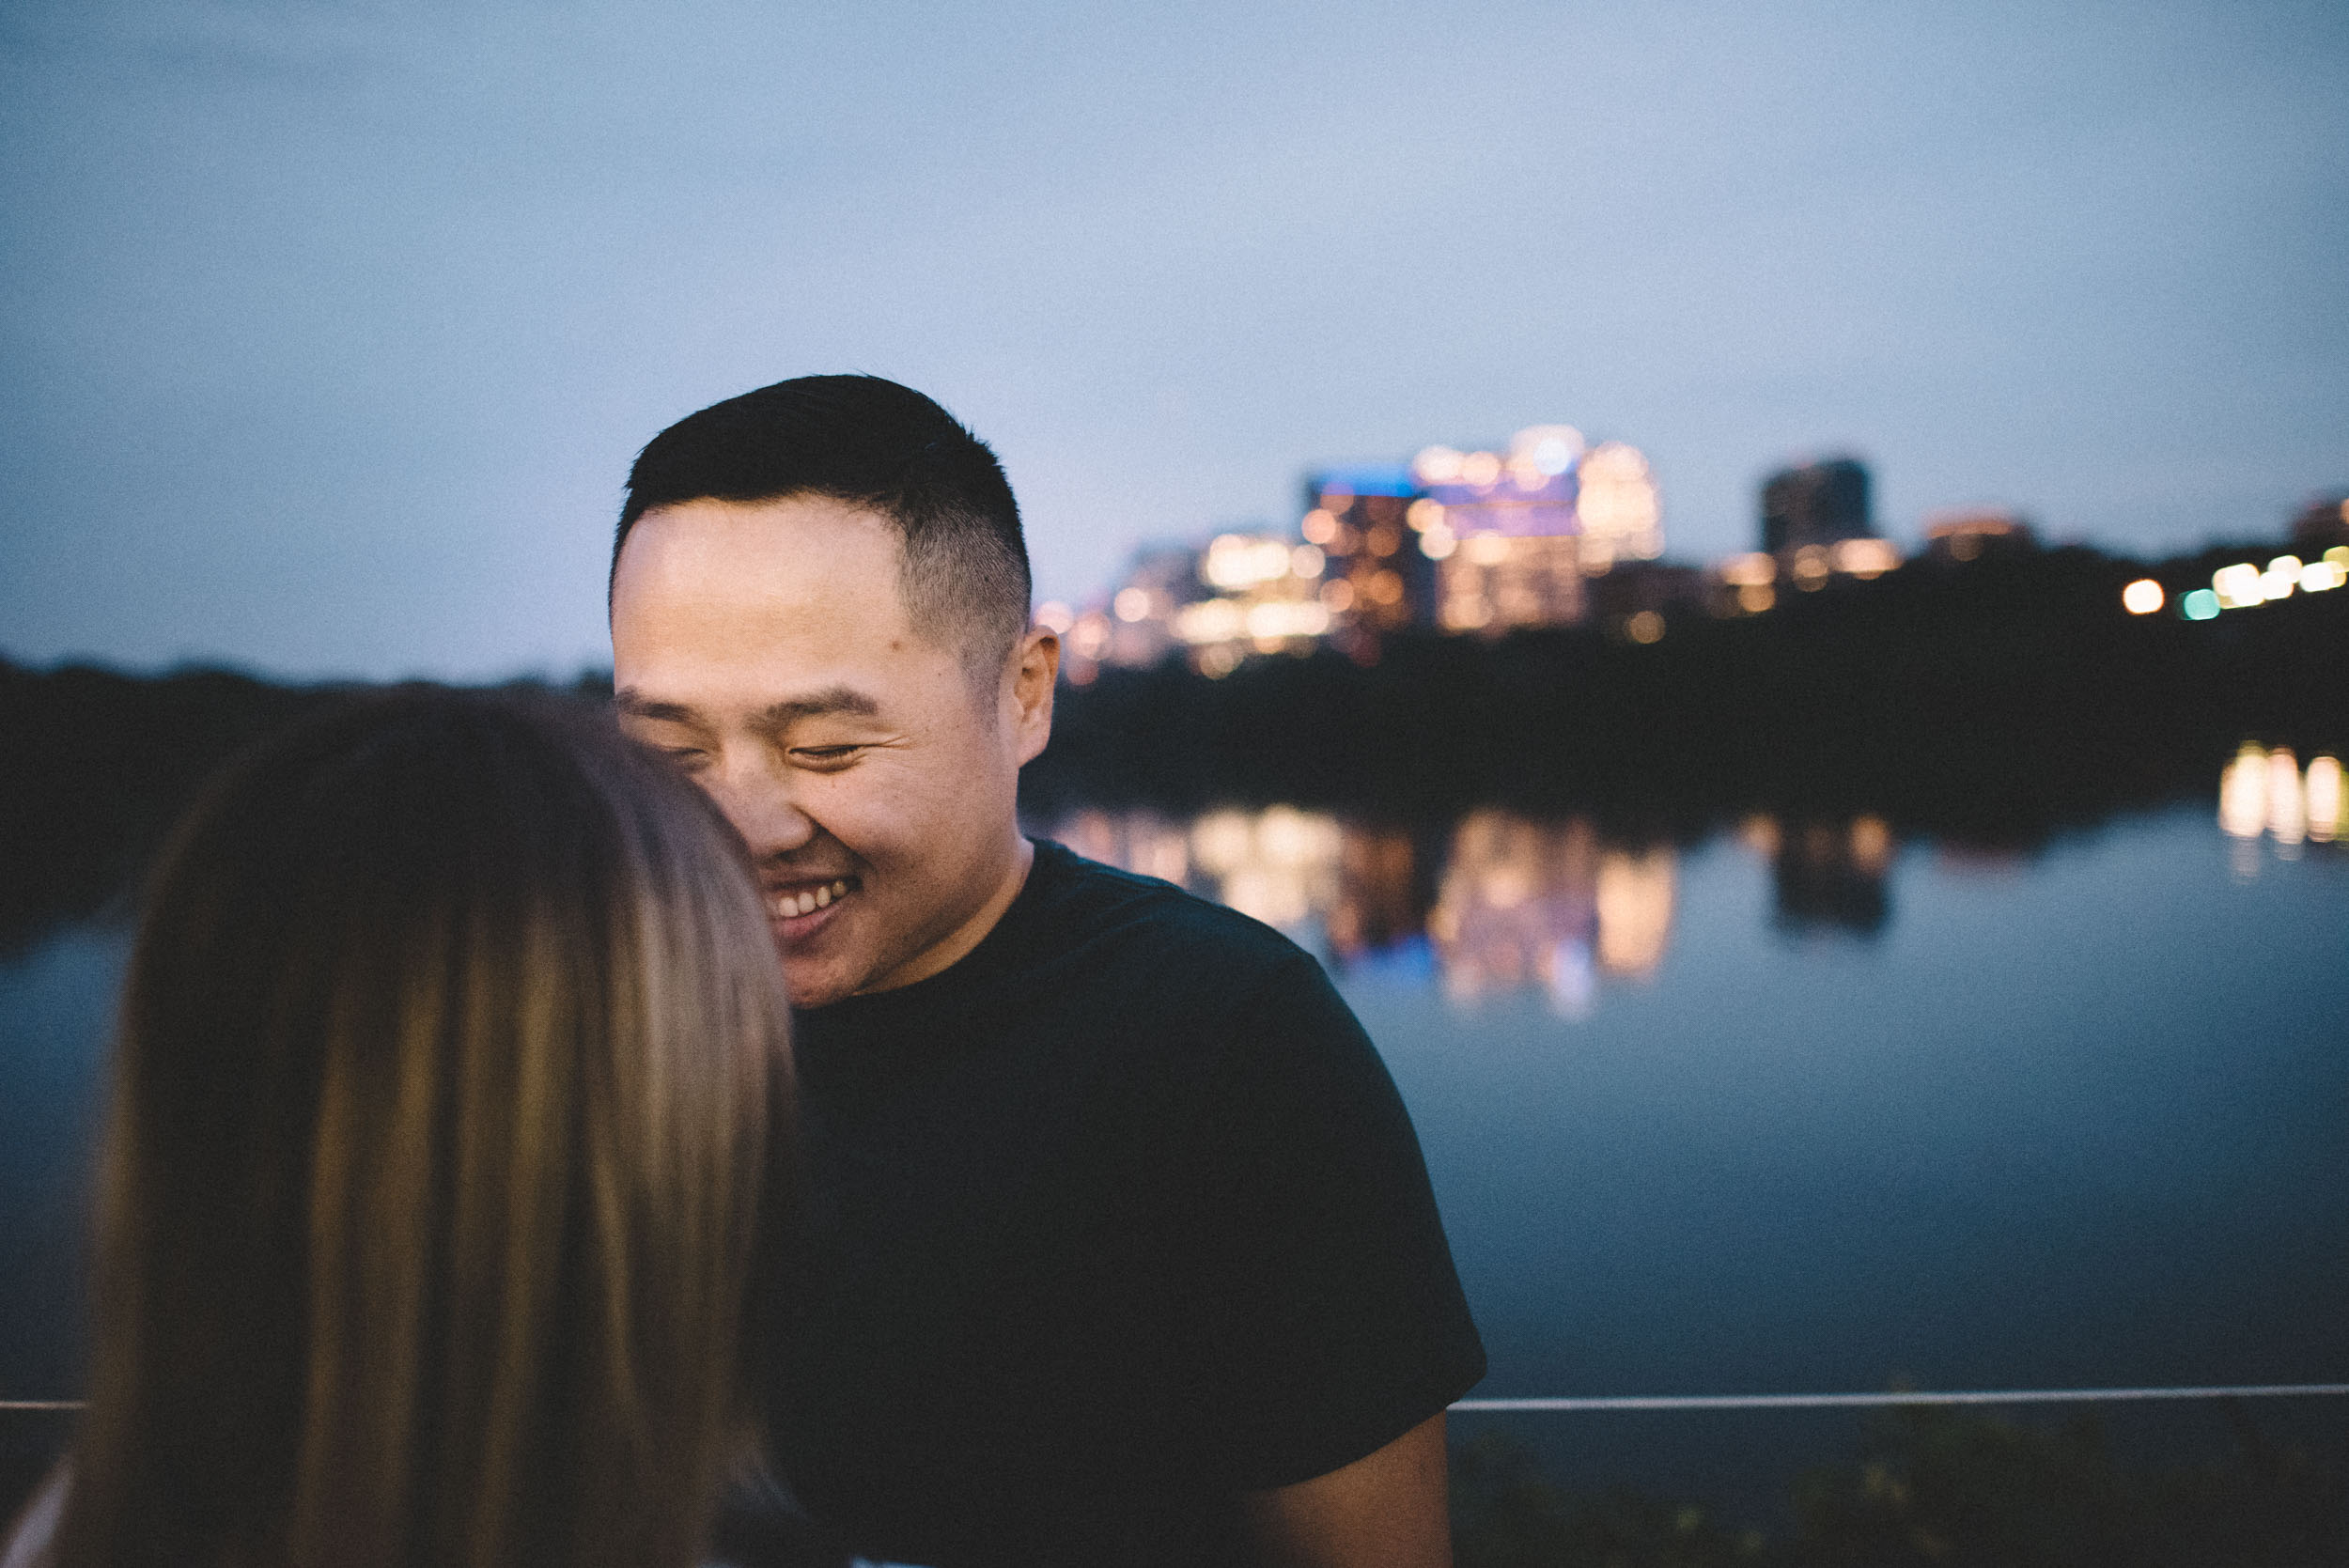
(2326, 804)
(2287, 809)
(2282, 576)
(1306, 561)
(1550, 450)
(2238, 586)
(1633, 897)
(1214, 620)
(1467, 614)
(1423, 514)
(2243, 795)
(1866, 558)
(1286, 618)
(1319, 527)
(1870, 845)
(1055, 617)
(1131, 604)
(2201, 604)
(1237, 561)
(2142, 597)
(1480, 469)
(1646, 626)
(1279, 865)
(2319, 577)
(1438, 465)
(1621, 515)
(1756, 570)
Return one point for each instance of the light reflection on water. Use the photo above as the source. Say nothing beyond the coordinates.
(1499, 902)
(1495, 902)
(2266, 793)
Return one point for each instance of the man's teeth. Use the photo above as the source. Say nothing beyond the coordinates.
(808, 900)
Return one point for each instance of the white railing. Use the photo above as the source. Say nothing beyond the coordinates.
(1963, 1396)
(1772, 1402)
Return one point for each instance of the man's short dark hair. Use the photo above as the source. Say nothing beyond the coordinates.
(871, 442)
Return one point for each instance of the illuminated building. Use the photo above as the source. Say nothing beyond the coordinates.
(1244, 593)
(1266, 598)
(1375, 579)
(1514, 535)
(1976, 535)
(1463, 541)
(1617, 505)
(1159, 583)
(1478, 541)
(1504, 531)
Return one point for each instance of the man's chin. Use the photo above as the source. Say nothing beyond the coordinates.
(810, 986)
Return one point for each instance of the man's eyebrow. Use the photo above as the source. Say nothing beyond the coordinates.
(831, 700)
(774, 716)
(635, 704)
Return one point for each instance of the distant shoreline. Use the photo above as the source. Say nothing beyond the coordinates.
(1992, 707)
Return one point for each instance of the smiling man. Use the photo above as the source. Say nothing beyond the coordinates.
(1121, 1250)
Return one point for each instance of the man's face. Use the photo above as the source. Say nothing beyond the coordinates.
(765, 647)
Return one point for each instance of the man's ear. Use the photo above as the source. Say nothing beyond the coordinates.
(1034, 671)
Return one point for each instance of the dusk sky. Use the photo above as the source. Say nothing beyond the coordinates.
(330, 330)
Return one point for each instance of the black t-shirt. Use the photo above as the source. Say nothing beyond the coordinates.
(1112, 1219)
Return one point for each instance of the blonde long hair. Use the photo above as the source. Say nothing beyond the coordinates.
(445, 1070)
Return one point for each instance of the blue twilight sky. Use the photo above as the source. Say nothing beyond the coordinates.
(329, 328)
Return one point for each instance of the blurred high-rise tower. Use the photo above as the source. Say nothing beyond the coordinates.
(1815, 503)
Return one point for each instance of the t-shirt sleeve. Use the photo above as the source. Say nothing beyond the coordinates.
(1329, 1318)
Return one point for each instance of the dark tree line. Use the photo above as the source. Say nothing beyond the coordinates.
(1994, 703)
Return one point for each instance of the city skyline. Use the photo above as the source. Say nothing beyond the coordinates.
(332, 332)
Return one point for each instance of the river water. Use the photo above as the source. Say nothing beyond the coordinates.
(1796, 1106)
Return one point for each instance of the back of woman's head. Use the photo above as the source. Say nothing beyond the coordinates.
(436, 1135)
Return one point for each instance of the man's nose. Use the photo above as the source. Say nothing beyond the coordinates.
(755, 794)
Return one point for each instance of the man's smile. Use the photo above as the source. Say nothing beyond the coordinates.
(795, 905)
